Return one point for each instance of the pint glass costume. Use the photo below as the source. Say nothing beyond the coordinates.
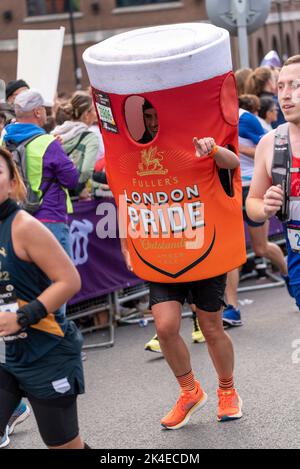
(181, 224)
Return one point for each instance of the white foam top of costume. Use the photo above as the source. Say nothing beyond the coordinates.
(159, 58)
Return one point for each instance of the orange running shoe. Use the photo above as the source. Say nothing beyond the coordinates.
(187, 404)
(230, 405)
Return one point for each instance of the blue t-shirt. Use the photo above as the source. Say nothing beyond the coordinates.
(250, 127)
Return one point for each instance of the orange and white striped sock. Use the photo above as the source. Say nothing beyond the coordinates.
(226, 384)
(187, 382)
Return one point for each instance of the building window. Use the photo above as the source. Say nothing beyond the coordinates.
(275, 45)
(260, 51)
(133, 3)
(289, 46)
(51, 7)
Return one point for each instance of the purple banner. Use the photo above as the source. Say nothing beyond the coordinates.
(96, 249)
(99, 261)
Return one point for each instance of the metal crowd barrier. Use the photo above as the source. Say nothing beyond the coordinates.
(92, 308)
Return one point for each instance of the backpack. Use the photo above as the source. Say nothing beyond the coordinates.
(33, 201)
(82, 137)
(282, 168)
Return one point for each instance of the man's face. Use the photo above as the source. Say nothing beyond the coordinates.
(41, 116)
(11, 98)
(289, 92)
(151, 121)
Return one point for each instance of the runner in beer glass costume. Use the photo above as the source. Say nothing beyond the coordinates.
(184, 232)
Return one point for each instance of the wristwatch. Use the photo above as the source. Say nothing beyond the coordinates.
(22, 320)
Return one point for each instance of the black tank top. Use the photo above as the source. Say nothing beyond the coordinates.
(22, 282)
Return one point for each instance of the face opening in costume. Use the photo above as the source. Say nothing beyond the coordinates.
(150, 122)
(141, 119)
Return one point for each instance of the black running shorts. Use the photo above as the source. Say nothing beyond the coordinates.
(56, 418)
(207, 295)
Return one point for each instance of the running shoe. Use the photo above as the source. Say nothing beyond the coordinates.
(153, 345)
(230, 405)
(232, 317)
(187, 404)
(4, 440)
(197, 335)
(21, 413)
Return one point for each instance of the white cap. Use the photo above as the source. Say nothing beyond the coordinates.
(28, 101)
(158, 58)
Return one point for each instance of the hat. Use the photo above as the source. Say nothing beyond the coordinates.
(28, 101)
(147, 105)
(13, 86)
(271, 59)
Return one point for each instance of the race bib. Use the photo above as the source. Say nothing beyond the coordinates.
(294, 238)
(8, 304)
(8, 299)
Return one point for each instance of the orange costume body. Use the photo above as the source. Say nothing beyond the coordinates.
(180, 224)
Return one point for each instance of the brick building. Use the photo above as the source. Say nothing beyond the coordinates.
(96, 20)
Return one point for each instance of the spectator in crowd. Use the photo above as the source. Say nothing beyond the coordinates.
(268, 113)
(2, 121)
(78, 141)
(51, 173)
(263, 83)
(50, 120)
(96, 129)
(13, 88)
(241, 77)
(9, 115)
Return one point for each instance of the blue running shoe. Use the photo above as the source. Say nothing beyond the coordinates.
(4, 440)
(21, 413)
(232, 317)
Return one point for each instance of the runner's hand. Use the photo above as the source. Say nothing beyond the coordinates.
(59, 139)
(273, 200)
(127, 259)
(8, 324)
(204, 146)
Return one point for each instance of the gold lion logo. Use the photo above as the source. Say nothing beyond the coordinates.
(3, 252)
(151, 162)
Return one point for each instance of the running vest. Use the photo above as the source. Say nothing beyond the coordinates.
(180, 224)
(34, 161)
(284, 171)
(22, 282)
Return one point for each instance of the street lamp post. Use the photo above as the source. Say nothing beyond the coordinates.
(240, 18)
(239, 8)
(284, 55)
(77, 69)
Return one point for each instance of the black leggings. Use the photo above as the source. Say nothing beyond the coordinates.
(56, 418)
